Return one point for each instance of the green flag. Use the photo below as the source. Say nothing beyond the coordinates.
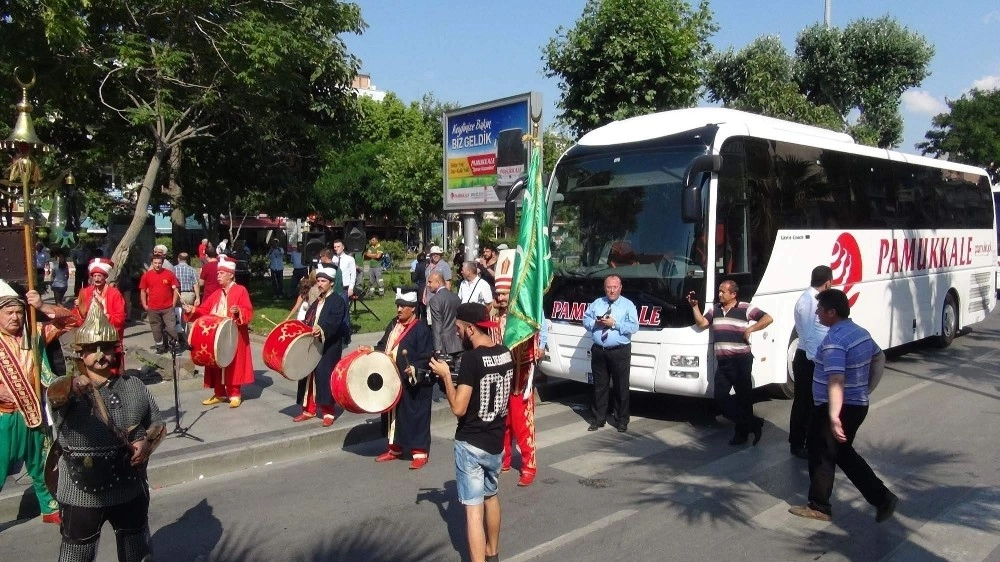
(533, 266)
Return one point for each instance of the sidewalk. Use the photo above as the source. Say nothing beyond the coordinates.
(220, 439)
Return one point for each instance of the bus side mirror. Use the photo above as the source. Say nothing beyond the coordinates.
(509, 205)
(691, 211)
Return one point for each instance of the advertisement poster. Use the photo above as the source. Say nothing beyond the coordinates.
(484, 148)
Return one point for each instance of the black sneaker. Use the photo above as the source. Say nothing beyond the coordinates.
(886, 510)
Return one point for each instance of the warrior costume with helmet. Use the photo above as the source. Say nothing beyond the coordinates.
(106, 426)
(22, 414)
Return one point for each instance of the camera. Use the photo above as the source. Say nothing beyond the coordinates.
(426, 377)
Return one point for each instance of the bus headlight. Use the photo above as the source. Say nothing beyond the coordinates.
(684, 361)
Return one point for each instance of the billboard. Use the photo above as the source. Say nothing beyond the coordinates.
(484, 148)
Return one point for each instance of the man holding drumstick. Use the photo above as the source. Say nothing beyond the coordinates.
(326, 317)
(231, 301)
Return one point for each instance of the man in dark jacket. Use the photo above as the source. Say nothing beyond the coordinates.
(408, 342)
(326, 316)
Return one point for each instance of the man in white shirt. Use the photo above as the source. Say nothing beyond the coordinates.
(810, 333)
(473, 288)
(348, 268)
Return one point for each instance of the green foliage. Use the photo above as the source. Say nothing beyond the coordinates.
(393, 168)
(395, 250)
(167, 241)
(629, 57)
(865, 68)
(969, 132)
(259, 265)
(123, 87)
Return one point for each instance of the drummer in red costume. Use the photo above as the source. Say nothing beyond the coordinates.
(520, 429)
(111, 300)
(326, 317)
(231, 301)
(410, 344)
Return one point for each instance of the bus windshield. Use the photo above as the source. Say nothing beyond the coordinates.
(618, 211)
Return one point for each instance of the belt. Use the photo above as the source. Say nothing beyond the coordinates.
(612, 347)
(188, 291)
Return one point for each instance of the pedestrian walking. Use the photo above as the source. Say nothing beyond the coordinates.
(732, 322)
(159, 293)
(810, 333)
(840, 398)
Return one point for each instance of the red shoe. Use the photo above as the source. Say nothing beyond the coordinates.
(303, 417)
(387, 456)
(527, 478)
(53, 517)
(505, 468)
(327, 421)
(418, 463)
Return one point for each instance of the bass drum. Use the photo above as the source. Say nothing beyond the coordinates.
(213, 341)
(291, 350)
(366, 382)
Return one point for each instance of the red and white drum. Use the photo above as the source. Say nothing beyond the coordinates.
(366, 382)
(213, 341)
(291, 350)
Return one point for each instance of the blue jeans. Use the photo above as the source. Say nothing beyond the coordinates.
(477, 473)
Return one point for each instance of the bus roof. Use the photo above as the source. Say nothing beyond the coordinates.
(664, 123)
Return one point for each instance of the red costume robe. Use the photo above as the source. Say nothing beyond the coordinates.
(240, 371)
(520, 427)
(114, 309)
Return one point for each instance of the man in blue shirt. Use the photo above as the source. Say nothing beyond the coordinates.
(611, 321)
(840, 395)
(810, 333)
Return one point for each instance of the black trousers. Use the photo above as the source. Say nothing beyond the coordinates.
(83, 524)
(826, 454)
(802, 404)
(611, 367)
(733, 373)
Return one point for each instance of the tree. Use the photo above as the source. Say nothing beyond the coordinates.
(554, 144)
(265, 78)
(629, 57)
(969, 133)
(393, 169)
(865, 67)
(760, 78)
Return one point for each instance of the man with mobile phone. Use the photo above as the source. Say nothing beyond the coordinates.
(611, 321)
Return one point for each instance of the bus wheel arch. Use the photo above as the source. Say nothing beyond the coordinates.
(787, 388)
(949, 319)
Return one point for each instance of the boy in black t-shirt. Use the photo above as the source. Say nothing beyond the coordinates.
(480, 402)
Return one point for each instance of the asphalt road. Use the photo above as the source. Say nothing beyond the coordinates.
(670, 489)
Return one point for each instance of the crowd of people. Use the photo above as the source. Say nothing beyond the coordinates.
(444, 335)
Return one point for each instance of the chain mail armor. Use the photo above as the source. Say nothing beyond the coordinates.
(77, 551)
(133, 546)
(81, 431)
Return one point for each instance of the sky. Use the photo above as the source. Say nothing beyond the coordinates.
(471, 52)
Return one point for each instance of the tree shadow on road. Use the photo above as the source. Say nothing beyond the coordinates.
(713, 493)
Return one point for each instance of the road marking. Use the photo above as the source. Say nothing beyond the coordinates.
(608, 458)
(571, 536)
(965, 532)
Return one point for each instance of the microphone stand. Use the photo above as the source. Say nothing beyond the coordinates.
(178, 430)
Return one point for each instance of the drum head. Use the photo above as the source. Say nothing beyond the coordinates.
(226, 340)
(302, 357)
(373, 383)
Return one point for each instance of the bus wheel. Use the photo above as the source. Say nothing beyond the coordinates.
(787, 388)
(949, 322)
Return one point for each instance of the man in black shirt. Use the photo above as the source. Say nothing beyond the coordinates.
(479, 400)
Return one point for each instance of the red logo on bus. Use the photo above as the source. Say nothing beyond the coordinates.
(845, 262)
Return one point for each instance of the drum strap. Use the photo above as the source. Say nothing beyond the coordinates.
(392, 344)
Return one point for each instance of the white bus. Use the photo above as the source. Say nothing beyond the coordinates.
(681, 200)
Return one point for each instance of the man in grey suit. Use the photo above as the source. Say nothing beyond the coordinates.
(441, 307)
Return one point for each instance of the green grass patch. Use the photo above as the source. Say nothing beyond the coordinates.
(269, 311)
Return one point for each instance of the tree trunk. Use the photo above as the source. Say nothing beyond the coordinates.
(120, 255)
(178, 221)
